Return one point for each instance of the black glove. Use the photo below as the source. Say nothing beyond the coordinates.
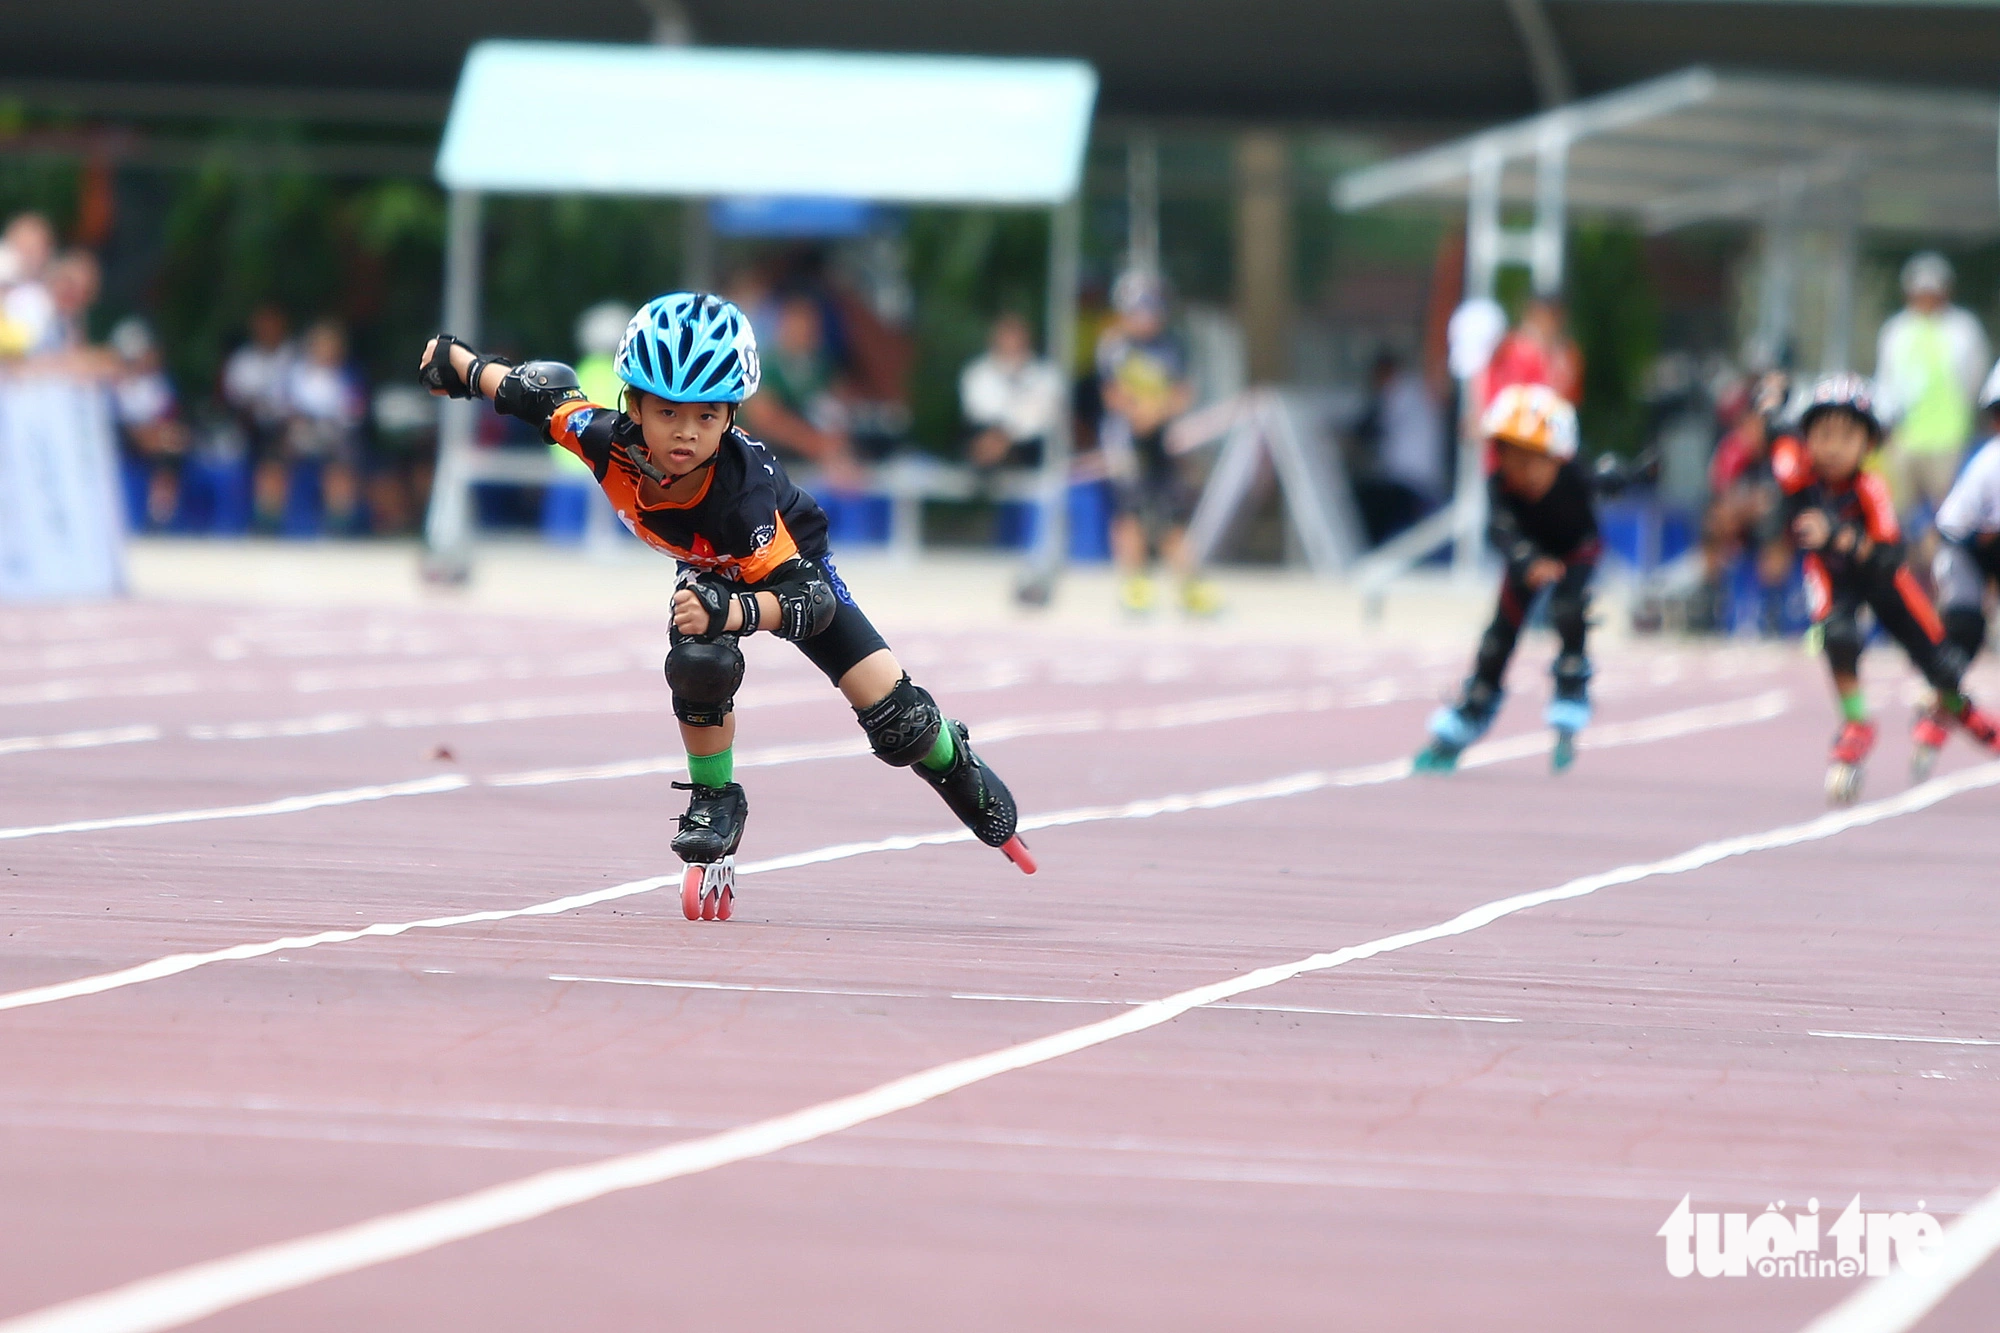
(715, 598)
(439, 374)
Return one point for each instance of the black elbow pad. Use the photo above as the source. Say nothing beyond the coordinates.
(806, 606)
(533, 391)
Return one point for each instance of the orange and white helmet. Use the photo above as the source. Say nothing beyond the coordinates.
(1532, 416)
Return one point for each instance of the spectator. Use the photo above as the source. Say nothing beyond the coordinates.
(1538, 351)
(1929, 359)
(1011, 398)
(27, 312)
(1743, 510)
(799, 409)
(147, 413)
(74, 282)
(1410, 429)
(327, 408)
(1142, 367)
(253, 388)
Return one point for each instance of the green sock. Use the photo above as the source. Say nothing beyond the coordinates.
(712, 770)
(1854, 707)
(942, 753)
(1953, 703)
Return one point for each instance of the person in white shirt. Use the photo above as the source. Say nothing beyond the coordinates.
(326, 414)
(1967, 561)
(253, 388)
(1929, 359)
(1011, 398)
(148, 416)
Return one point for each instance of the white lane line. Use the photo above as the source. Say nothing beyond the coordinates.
(1645, 729)
(1203, 712)
(1890, 1036)
(283, 806)
(843, 993)
(88, 653)
(79, 740)
(169, 1300)
(1896, 1302)
(65, 691)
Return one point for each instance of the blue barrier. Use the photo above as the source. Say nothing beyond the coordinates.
(1645, 533)
(1089, 522)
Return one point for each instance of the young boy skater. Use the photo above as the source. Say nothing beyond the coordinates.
(1967, 561)
(753, 556)
(1544, 524)
(1845, 522)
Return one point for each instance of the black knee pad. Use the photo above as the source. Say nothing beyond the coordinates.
(1965, 629)
(704, 675)
(1842, 640)
(902, 728)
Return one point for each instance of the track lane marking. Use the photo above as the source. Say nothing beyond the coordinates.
(1896, 1302)
(284, 805)
(1890, 1036)
(841, 993)
(178, 1297)
(79, 740)
(1665, 726)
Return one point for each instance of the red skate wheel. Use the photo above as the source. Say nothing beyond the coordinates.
(1017, 852)
(691, 893)
(708, 905)
(725, 903)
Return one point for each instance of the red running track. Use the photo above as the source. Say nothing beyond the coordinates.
(1483, 1131)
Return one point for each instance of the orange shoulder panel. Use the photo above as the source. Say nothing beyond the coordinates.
(1790, 465)
(762, 563)
(1878, 507)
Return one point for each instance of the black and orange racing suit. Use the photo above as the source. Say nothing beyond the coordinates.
(1861, 565)
(1560, 526)
(747, 526)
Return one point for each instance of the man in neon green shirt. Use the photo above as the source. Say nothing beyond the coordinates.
(1930, 357)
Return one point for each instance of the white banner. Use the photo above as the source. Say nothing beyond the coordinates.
(62, 524)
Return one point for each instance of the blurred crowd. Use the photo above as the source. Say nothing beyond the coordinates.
(290, 418)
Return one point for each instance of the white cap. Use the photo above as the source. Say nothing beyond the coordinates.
(1476, 328)
(601, 328)
(1927, 271)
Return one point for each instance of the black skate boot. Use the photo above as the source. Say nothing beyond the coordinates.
(709, 835)
(978, 797)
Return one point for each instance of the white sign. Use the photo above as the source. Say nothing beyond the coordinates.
(62, 528)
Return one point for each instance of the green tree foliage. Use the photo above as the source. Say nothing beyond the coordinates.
(966, 266)
(1614, 314)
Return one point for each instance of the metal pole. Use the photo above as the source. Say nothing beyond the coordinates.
(1837, 351)
(448, 524)
(1780, 263)
(1052, 534)
(1551, 216)
(1482, 263)
(697, 246)
(1142, 202)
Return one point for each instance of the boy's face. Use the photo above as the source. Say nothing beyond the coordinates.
(680, 437)
(1837, 443)
(1528, 473)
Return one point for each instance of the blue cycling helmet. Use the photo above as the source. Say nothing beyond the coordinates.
(690, 347)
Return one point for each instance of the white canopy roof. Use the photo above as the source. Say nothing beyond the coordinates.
(560, 117)
(1703, 144)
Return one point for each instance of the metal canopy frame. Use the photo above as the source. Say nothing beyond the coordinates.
(1700, 145)
(550, 117)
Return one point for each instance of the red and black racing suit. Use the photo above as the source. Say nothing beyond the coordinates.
(1861, 565)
